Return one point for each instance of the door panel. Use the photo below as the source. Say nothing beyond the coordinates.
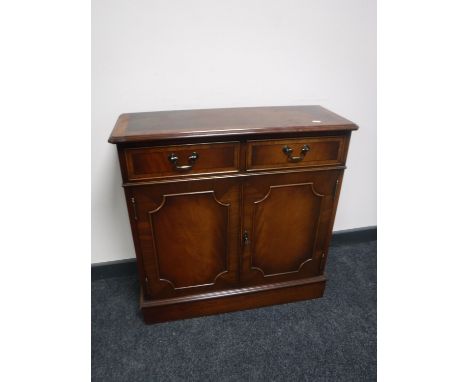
(188, 236)
(180, 228)
(287, 218)
(282, 223)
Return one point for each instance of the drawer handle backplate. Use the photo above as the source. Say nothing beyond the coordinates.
(174, 159)
(288, 151)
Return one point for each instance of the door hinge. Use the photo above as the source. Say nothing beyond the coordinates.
(322, 262)
(134, 208)
(146, 288)
(336, 187)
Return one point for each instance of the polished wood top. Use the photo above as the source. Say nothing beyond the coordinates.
(162, 125)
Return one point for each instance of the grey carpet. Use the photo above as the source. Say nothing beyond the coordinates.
(328, 339)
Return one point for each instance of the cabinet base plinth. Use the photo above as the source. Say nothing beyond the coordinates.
(231, 300)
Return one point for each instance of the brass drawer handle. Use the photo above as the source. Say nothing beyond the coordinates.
(174, 159)
(288, 151)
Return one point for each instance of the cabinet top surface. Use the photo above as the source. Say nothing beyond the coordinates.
(163, 125)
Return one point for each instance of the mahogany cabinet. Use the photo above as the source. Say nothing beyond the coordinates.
(233, 208)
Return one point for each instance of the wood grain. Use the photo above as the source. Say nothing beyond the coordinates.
(269, 154)
(190, 232)
(153, 162)
(187, 236)
(163, 125)
(286, 217)
(246, 224)
(232, 300)
(284, 228)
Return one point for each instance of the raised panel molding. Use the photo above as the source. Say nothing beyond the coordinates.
(285, 222)
(180, 227)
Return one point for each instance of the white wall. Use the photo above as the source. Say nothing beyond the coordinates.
(152, 55)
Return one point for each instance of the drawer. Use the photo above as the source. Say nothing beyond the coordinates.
(301, 152)
(181, 160)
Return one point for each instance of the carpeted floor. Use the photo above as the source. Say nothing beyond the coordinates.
(328, 339)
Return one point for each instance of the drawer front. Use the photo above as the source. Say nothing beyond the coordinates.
(301, 152)
(181, 160)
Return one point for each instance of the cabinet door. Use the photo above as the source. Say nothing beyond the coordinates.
(188, 236)
(287, 225)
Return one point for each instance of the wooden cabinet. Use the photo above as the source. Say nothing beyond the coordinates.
(230, 208)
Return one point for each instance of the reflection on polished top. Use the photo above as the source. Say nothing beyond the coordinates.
(161, 125)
